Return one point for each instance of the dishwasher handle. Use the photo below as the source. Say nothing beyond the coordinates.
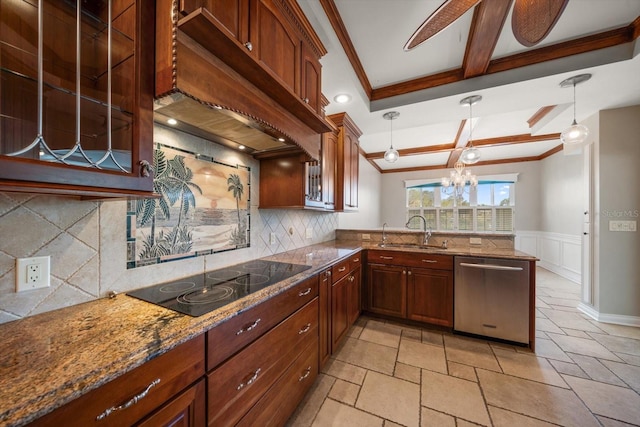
(490, 267)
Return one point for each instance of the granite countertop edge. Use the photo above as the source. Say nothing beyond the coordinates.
(142, 332)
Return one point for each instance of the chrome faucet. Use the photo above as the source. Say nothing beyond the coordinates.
(427, 234)
(384, 236)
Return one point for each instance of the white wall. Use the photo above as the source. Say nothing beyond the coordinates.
(369, 199)
(561, 199)
(527, 214)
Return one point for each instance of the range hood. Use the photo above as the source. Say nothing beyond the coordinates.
(217, 95)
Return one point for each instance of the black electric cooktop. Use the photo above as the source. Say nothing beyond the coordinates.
(200, 294)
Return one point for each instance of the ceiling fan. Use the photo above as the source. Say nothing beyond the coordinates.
(531, 21)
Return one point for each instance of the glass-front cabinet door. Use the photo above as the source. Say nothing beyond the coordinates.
(76, 96)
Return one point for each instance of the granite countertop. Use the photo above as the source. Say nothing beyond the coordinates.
(41, 367)
(482, 252)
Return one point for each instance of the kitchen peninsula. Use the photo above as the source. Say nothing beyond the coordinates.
(48, 360)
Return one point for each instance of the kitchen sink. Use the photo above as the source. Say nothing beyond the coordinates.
(410, 246)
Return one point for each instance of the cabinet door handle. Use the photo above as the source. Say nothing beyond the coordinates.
(341, 269)
(305, 292)
(386, 257)
(307, 372)
(356, 260)
(305, 100)
(146, 169)
(404, 271)
(135, 399)
(329, 273)
(249, 46)
(305, 329)
(430, 261)
(409, 272)
(250, 381)
(352, 278)
(250, 327)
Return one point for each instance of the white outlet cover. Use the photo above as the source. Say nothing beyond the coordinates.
(22, 275)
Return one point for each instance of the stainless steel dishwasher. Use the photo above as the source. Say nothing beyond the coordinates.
(491, 298)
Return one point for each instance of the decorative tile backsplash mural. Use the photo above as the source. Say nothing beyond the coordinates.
(203, 209)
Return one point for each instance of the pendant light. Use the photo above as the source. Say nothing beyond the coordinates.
(470, 155)
(391, 155)
(574, 134)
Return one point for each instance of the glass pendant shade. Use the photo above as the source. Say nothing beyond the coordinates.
(470, 156)
(391, 155)
(574, 134)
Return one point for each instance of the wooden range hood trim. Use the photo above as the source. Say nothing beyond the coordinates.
(183, 65)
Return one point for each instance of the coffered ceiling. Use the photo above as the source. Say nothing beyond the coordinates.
(523, 109)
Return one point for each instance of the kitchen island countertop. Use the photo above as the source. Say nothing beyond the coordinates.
(49, 359)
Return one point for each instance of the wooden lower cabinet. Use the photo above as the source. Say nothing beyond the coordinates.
(430, 296)
(354, 296)
(339, 312)
(186, 410)
(324, 328)
(387, 290)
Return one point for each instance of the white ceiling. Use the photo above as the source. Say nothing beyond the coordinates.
(379, 29)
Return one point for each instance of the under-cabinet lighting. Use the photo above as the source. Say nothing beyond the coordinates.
(172, 122)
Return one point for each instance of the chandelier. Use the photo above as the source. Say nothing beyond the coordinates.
(458, 179)
(574, 134)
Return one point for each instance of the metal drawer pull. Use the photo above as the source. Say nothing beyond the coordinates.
(250, 381)
(250, 327)
(341, 269)
(305, 329)
(304, 293)
(386, 257)
(135, 399)
(431, 261)
(491, 267)
(356, 260)
(307, 372)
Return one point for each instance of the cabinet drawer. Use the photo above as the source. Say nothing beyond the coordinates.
(239, 383)
(281, 400)
(226, 339)
(355, 261)
(340, 270)
(412, 259)
(146, 387)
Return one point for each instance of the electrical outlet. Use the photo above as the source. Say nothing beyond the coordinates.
(366, 236)
(475, 240)
(32, 273)
(309, 233)
(272, 238)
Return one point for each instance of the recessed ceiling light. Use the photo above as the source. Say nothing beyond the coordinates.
(342, 98)
(172, 122)
(281, 139)
(241, 147)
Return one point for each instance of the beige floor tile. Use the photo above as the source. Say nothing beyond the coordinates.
(388, 423)
(355, 331)
(344, 392)
(334, 414)
(368, 355)
(462, 371)
(575, 333)
(608, 422)
(541, 304)
(569, 319)
(628, 373)
(564, 295)
(618, 330)
(529, 367)
(552, 301)
(596, 370)
(568, 368)
(381, 333)
(611, 401)
(454, 396)
(582, 346)
(312, 402)
(618, 344)
(550, 350)
(463, 423)
(422, 356)
(504, 418)
(390, 398)
(539, 315)
(470, 352)
(541, 401)
(432, 337)
(407, 373)
(412, 334)
(345, 371)
(629, 358)
(431, 418)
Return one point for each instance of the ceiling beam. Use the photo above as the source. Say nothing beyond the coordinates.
(514, 139)
(488, 19)
(462, 137)
(331, 10)
(539, 115)
(416, 151)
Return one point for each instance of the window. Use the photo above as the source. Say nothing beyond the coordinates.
(488, 208)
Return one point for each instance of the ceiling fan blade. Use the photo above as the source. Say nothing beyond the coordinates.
(532, 20)
(440, 19)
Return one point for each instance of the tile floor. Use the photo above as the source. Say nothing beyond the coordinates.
(584, 373)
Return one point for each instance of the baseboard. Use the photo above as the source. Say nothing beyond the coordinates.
(618, 319)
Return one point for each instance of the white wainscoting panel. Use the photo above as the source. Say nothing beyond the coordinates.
(559, 253)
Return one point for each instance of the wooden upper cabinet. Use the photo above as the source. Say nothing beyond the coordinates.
(347, 163)
(310, 80)
(231, 15)
(77, 121)
(329, 153)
